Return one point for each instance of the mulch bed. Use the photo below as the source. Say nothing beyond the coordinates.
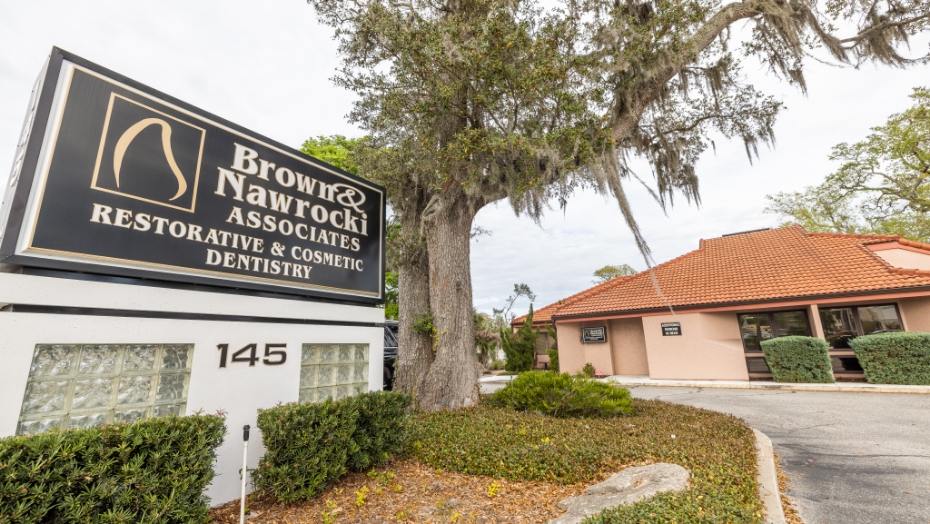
(791, 515)
(408, 491)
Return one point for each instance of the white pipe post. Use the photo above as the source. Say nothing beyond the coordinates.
(245, 471)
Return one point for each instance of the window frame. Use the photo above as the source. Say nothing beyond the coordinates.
(771, 315)
(858, 322)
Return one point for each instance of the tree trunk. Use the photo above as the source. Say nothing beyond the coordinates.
(452, 381)
(415, 350)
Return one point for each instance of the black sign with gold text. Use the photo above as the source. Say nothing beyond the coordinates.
(115, 178)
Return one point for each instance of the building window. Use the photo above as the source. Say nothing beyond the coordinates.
(842, 324)
(84, 385)
(333, 371)
(756, 327)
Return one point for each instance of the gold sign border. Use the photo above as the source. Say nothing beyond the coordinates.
(103, 139)
(31, 220)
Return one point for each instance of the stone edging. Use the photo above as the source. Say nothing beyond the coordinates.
(768, 480)
(774, 386)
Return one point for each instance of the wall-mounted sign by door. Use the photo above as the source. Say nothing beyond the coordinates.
(593, 334)
(116, 178)
(671, 329)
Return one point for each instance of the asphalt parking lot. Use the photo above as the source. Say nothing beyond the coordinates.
(850, 457)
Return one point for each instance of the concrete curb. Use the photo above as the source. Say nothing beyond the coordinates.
(768, 480)
(773, 386)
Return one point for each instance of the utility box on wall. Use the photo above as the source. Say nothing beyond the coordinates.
(159, 260)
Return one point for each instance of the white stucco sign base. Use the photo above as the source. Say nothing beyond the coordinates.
(239, 389)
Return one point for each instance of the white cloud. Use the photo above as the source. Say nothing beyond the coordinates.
(268, 68)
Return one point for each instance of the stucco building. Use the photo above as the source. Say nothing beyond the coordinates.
(705, 313)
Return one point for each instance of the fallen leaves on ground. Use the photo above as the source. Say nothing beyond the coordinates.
(408, 491)
(791, 515)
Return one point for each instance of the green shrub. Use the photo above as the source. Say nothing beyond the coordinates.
(520, 347)
(561, 395)
(496, 365)
(379, 431)
(150, 471)
(586, 372)
(894, 358)
(308, 446)
(798, 359)
(553, 350)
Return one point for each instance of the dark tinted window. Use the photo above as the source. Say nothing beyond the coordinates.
(757, 365)
(877, 319)
(844, 323)
(755, 328)
(791, 323)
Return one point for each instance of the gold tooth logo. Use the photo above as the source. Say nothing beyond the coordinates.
(138, 169)
(132, 133)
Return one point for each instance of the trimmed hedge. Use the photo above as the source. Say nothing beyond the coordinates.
(561, 395)
(379, 429)
(798, 359)
(894, 358)
(308, 446)
(149, 471)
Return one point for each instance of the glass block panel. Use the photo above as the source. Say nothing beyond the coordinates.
(328, 353)
(134, 390)
(309, 354)
(170, 387)
(326, 375)
(52, 360)
(344, 373)
(31, 427)
(88, 421)
(346, 353)
(308, 377)
(92, 393)
(361, 372)
(98, 360)
(307, 395)
(341, 392)
(81, 386)
(140, 358)
(360, 387)
(166, 411)
(43, 397)
(324, 393)
(129, 415)
(175, 357)
(361, 352)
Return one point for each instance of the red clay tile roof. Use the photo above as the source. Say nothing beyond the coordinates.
(544, 315)
(765, 265)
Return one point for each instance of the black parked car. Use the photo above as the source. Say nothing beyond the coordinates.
(390, 353)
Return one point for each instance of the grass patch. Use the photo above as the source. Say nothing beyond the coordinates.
(717, 449)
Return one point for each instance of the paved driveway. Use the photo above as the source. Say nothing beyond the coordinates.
(851, 457)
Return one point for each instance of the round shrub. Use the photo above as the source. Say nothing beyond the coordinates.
(561, 395)
(894, 358)
(798, 359)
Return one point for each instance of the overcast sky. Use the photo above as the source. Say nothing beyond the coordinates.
(267, 66)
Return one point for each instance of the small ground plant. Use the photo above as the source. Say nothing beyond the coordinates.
(561, 395)
(717, 449)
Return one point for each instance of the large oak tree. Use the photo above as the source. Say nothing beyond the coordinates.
(469, 102)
